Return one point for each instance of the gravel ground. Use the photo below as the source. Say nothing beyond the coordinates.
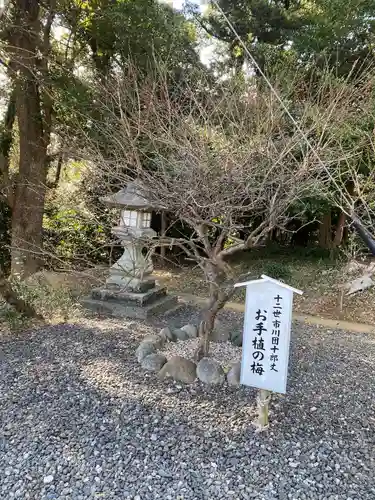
(80, 420)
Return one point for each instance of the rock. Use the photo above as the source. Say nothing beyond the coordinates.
(181, 334)
(234, 374)
(209, 371)
(220, 333)
(48, 479)
(354, 267)
(153, 362)
(163, 337)
(168, 334)
(158, 340)
(180, 369)
(191, 330)
(144, 349)
(236, 339)
(360, 284)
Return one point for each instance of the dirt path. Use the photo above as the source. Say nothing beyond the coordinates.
(322, 284)
(306, 318)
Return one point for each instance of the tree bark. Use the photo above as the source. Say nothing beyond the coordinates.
(28, 205)
(207, 325)
(325, 232)
(339, 234)
(218, 297)
(6, 141)
(163, 231)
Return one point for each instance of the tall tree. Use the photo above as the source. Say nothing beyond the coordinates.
(28, 48)
(115, 31)
(265, 26)
(338, 34)
(328, 33)
(47, 93)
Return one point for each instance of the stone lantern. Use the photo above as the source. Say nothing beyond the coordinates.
(130, 272)
(130, 289)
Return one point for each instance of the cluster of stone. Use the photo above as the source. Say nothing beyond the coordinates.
(207, 370)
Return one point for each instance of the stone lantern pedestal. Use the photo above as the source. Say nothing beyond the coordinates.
(130, 290)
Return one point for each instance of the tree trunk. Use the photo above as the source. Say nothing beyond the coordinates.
(207, 325)
(218, 298)
(341, 229)
(6, 141)
(325, 232)
(6, 187)
(163, 231)
(12, 299)
(60, 162)
(205, 329)
(339, 234)
(28, 205)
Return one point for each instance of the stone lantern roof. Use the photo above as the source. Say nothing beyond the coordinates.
(128, 197)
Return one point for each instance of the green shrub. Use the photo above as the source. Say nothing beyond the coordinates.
(13, 319)
(50, 303)
(277, 270)
(74, 237)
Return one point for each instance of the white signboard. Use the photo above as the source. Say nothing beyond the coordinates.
(266, 336)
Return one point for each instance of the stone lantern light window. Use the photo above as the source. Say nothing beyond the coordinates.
(129, 218)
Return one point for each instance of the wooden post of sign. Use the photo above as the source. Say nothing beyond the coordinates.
(263, 402)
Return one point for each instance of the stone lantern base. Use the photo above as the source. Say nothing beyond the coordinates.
(147, 300)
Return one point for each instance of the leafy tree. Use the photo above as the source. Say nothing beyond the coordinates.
(116, 31)
(48, 96)
(265, 26)
(338, 34)
(26, 35)
(328, 33)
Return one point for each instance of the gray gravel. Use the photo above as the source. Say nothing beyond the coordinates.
(81, 420)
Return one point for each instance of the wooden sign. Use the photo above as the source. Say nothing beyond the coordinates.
(266, 336)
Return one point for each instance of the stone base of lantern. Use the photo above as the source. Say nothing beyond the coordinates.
(119, 303)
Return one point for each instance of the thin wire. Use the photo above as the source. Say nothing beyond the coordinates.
(284, 106)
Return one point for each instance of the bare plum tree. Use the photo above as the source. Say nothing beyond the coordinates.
(226, 164)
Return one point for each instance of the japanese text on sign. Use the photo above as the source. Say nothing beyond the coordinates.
(267, 335)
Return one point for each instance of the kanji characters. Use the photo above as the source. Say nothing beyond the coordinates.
(260, 316)
(257, 368)
(258, 355)
(276, 331)
(258, 344)
(259, 328)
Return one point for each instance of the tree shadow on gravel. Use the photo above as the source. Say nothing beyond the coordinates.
(73, 396)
